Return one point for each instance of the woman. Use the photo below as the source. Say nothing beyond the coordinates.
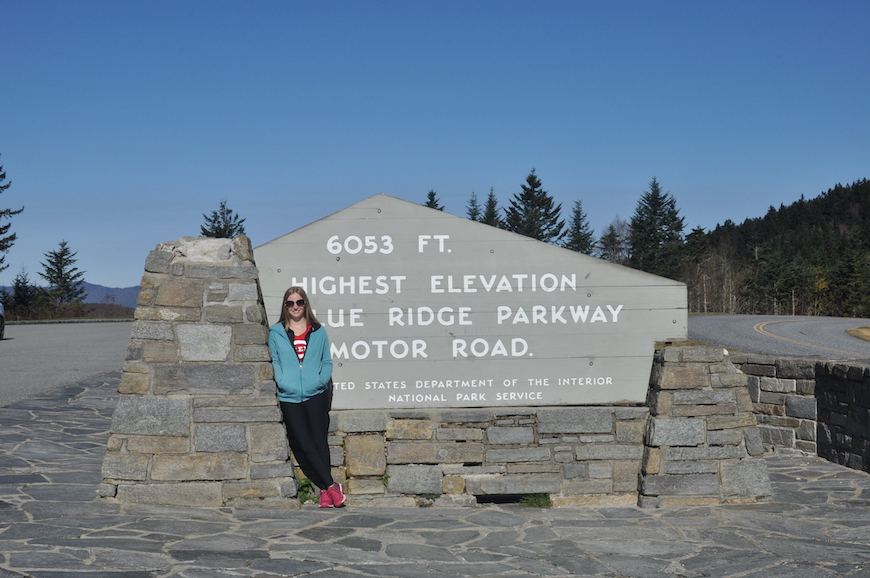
(303, 372)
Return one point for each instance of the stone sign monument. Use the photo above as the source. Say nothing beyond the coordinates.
(426, 309)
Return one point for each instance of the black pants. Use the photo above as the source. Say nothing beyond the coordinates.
(307, 425)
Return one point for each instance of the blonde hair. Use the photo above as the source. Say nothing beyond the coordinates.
(284, 319)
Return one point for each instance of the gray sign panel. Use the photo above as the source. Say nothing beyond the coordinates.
(426, 309)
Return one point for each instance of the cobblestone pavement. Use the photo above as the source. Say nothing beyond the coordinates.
(51, 451)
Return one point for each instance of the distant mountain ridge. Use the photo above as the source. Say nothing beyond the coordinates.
(125, 296)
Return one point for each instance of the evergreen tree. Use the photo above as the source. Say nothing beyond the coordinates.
(473, 209)
(580, 236)
(24, 293)
(491, 214)
(533, 214)
(613, 245)
(656, 233)
(64, 279)
(222, 223)
(432, 201)
(7, 239)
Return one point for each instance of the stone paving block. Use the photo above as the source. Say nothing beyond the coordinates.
(745, 479)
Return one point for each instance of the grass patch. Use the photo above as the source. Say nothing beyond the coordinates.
(860, 333)
(307, 491)
(536, 501)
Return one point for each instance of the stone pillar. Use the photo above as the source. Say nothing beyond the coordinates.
(198, 421)
(702, 445)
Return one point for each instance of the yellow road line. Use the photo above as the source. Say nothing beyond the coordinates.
(759, 328)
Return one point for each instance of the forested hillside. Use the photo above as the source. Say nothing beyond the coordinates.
(808, 258)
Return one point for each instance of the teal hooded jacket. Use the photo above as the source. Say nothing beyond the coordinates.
(298, 382)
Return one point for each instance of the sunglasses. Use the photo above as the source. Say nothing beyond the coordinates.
(300, 303)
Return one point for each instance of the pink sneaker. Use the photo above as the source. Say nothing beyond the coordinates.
(325, 499)
(336, 494)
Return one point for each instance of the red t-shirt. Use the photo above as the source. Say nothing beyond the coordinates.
(299, 343)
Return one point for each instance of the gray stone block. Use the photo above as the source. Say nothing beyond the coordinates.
(220, 438)
(629, 413)
(196, 271)
(414, 479)
(801, 406)
(752, 439)
(704, 397)
(702, 354)
(725, 437)
(158, 261)
(125, 466)
(152, 416)
(777, 436)
(680, 485)
(237, 415)
(265, 471)
(692, 467)
(796, 368)
(518, 455)
(609, 452)
(575, 420)
(203, 378)
(513, 484)
(712, 453)
(574, 470)
(466, 416)
(510, 435)
(361, 421)
(676, 431)
(191, 495)
(151, 330)
(745, 479)
(204, 342)
(777, 385)
(243, 292)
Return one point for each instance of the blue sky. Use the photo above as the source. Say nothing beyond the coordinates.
(121, 123)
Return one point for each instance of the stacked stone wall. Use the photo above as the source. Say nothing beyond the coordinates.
(812, 406)
(578, 455)
(197, 423)
(702, 443)
(843, 394)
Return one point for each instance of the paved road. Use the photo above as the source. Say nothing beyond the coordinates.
(782, 335)
(817, 524)
(41, 357)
